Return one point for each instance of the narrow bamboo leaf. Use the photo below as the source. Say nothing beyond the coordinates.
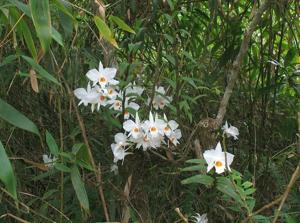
(25, 31)
(7, 174)
(41, 71)
(121, 24)
(9, 59)
(79, 188)
(53, 147)
(62, 167)
(105, 31)
(14, 117)
(23, 7)
(61, 6)
(194, 168)
(197, 161)
(40, 13)
(200, 178)
(57, 36)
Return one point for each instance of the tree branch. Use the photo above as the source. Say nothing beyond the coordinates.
(257, 14)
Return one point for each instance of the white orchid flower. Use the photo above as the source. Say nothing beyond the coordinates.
(200, 218)
(118, 148)
(103, 76)
(175, 136)
(230, 131)
(170, 127)
(216, 158)
(133, 127)
(86, 96)
(49, 160)
(160, 100)
(132, 88)
(154, 127)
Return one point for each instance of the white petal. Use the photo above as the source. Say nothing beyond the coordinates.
(218, 147)
(173, 124)
(110, 72)
(93, 75)
(128, 125)
(100, 67)
(134, 106)
(80, 93)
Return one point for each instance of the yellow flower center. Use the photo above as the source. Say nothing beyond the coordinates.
(110, 91)
(218, 163)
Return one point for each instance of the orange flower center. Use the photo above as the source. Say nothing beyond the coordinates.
(153, 129)
(102, 80)
(167, 129)
(136, 130)
(218, 163)
(102, 98)
(146, 139)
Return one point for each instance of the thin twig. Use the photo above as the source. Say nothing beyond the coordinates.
(86, 141)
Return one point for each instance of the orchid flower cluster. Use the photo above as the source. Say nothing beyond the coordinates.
(105, 92)
(151, 133)
(216, 158)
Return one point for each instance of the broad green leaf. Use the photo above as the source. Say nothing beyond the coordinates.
(53, 147)
(7, 174)
(121, 24)
(79, 188)
(14, 117)
(40, 70)
(40, 13)
(226, 186)
(200, 178)
(105, 31)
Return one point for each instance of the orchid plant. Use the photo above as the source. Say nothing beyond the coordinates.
(103, 91)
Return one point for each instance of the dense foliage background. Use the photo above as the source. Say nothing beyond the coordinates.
(189, 47)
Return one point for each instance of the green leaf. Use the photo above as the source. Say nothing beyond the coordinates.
(14, 117)
(105, 31)
(57, 36)
(9, 59)
(290, 219)
(121, 24)
(24, 29)
(40, 13)
(197, 161)
(79, 188)
(41, 71)
(7, 174)
(62, 167)
(200, 178)
(290, 56)
(194, 168)
(23, 7)
(225, 186)
(53, 147)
